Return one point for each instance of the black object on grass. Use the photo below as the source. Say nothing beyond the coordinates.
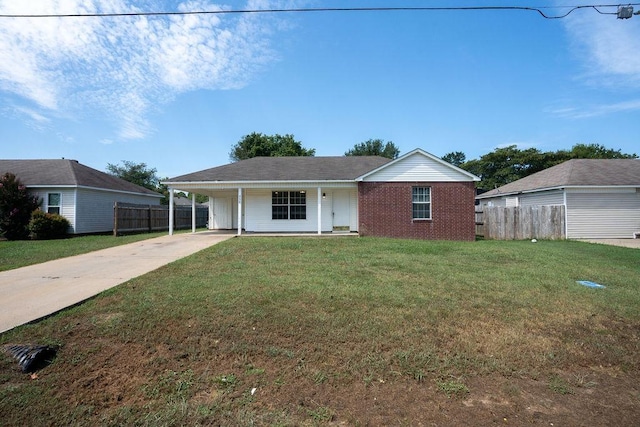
(32, 358)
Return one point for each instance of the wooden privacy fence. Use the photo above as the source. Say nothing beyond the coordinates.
(520, 222)
(131, 218)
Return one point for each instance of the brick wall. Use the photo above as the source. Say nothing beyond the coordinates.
(385, 209)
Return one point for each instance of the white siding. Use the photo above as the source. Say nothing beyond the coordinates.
(257, 212)
(543, 198)
(94, 208)
(599, 214)
(418, 168)
(67, 202)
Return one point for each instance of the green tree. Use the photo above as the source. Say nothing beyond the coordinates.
(597, 151)
(137, 173)
(456, 158)
(508, 164)
(260, 145)
(375, 147)
(16, 206)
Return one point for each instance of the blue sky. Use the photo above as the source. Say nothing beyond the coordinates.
(178, 92)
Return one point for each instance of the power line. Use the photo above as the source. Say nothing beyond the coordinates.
(596, 7)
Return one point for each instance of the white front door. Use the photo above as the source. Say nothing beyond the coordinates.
(223, 213)
(341, 211)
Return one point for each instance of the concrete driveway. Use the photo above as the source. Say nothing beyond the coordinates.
(627, 243)
(29, 293)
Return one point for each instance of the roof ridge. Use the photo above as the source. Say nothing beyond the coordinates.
(73, 169)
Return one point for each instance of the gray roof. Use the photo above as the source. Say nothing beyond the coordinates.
(65, 172)
(576, 172)
(288, 169)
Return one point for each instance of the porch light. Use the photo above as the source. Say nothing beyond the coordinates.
(324, 195)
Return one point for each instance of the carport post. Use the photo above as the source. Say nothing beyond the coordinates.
(239, 211)
(193, 212)
(170, 211)
(319, 210)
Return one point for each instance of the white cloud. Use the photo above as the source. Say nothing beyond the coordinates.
(607, 46)
(125, 67)
(589, 111)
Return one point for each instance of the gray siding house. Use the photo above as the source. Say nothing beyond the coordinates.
(601, 196)
(83, 195)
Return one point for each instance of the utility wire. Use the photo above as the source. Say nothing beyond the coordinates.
(596, 7)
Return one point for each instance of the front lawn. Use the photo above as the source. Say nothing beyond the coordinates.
(347, 331)
(20, 253)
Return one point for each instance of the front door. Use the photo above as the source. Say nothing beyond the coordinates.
(341, 211)
(222, 214)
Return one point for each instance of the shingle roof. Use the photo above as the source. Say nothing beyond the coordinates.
(65, 172)
(576, 172)
(288, 169)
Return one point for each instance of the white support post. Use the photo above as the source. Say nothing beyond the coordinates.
(319, 210)
(193, 212)
(170, 211)
(239, 211)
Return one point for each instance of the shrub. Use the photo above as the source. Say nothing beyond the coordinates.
(44, 226)
(16, 206)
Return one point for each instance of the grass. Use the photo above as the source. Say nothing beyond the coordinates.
(20, 253)
(319, 326)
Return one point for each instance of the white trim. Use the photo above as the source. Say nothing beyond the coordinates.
(85, 187)
(557, 187)
(566, 213)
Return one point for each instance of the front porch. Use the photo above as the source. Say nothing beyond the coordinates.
(278, 208)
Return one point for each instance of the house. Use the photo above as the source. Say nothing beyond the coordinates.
(601, 197)
(417, 196)
(83, 195)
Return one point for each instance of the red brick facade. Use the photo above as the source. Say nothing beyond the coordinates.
(385, 210)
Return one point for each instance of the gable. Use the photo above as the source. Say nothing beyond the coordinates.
(68, 173)
(418, 166)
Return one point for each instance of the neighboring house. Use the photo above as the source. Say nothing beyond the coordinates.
(83, 195)
(417, 196)
(601, 196)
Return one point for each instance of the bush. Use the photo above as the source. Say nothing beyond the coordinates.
(44, 226)
(16, 206)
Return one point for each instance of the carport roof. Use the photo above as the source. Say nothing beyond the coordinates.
(344, 168)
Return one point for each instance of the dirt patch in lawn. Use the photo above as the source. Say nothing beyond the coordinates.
(268, 379)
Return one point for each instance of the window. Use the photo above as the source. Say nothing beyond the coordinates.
(53, 203)
(421, 202)
(288, 205)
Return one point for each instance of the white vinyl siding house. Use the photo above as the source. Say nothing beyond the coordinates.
(603, 214)
(84, 196)
(601, 196)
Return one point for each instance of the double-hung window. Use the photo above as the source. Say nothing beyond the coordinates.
(288, 205)
(421, 202)
(53, 203)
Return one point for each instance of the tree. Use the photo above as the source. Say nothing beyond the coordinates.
(137, 173)
(375, 147)
(260, 145)
(597, 151)
(508, 164)
(456, 158)
(16, 206)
